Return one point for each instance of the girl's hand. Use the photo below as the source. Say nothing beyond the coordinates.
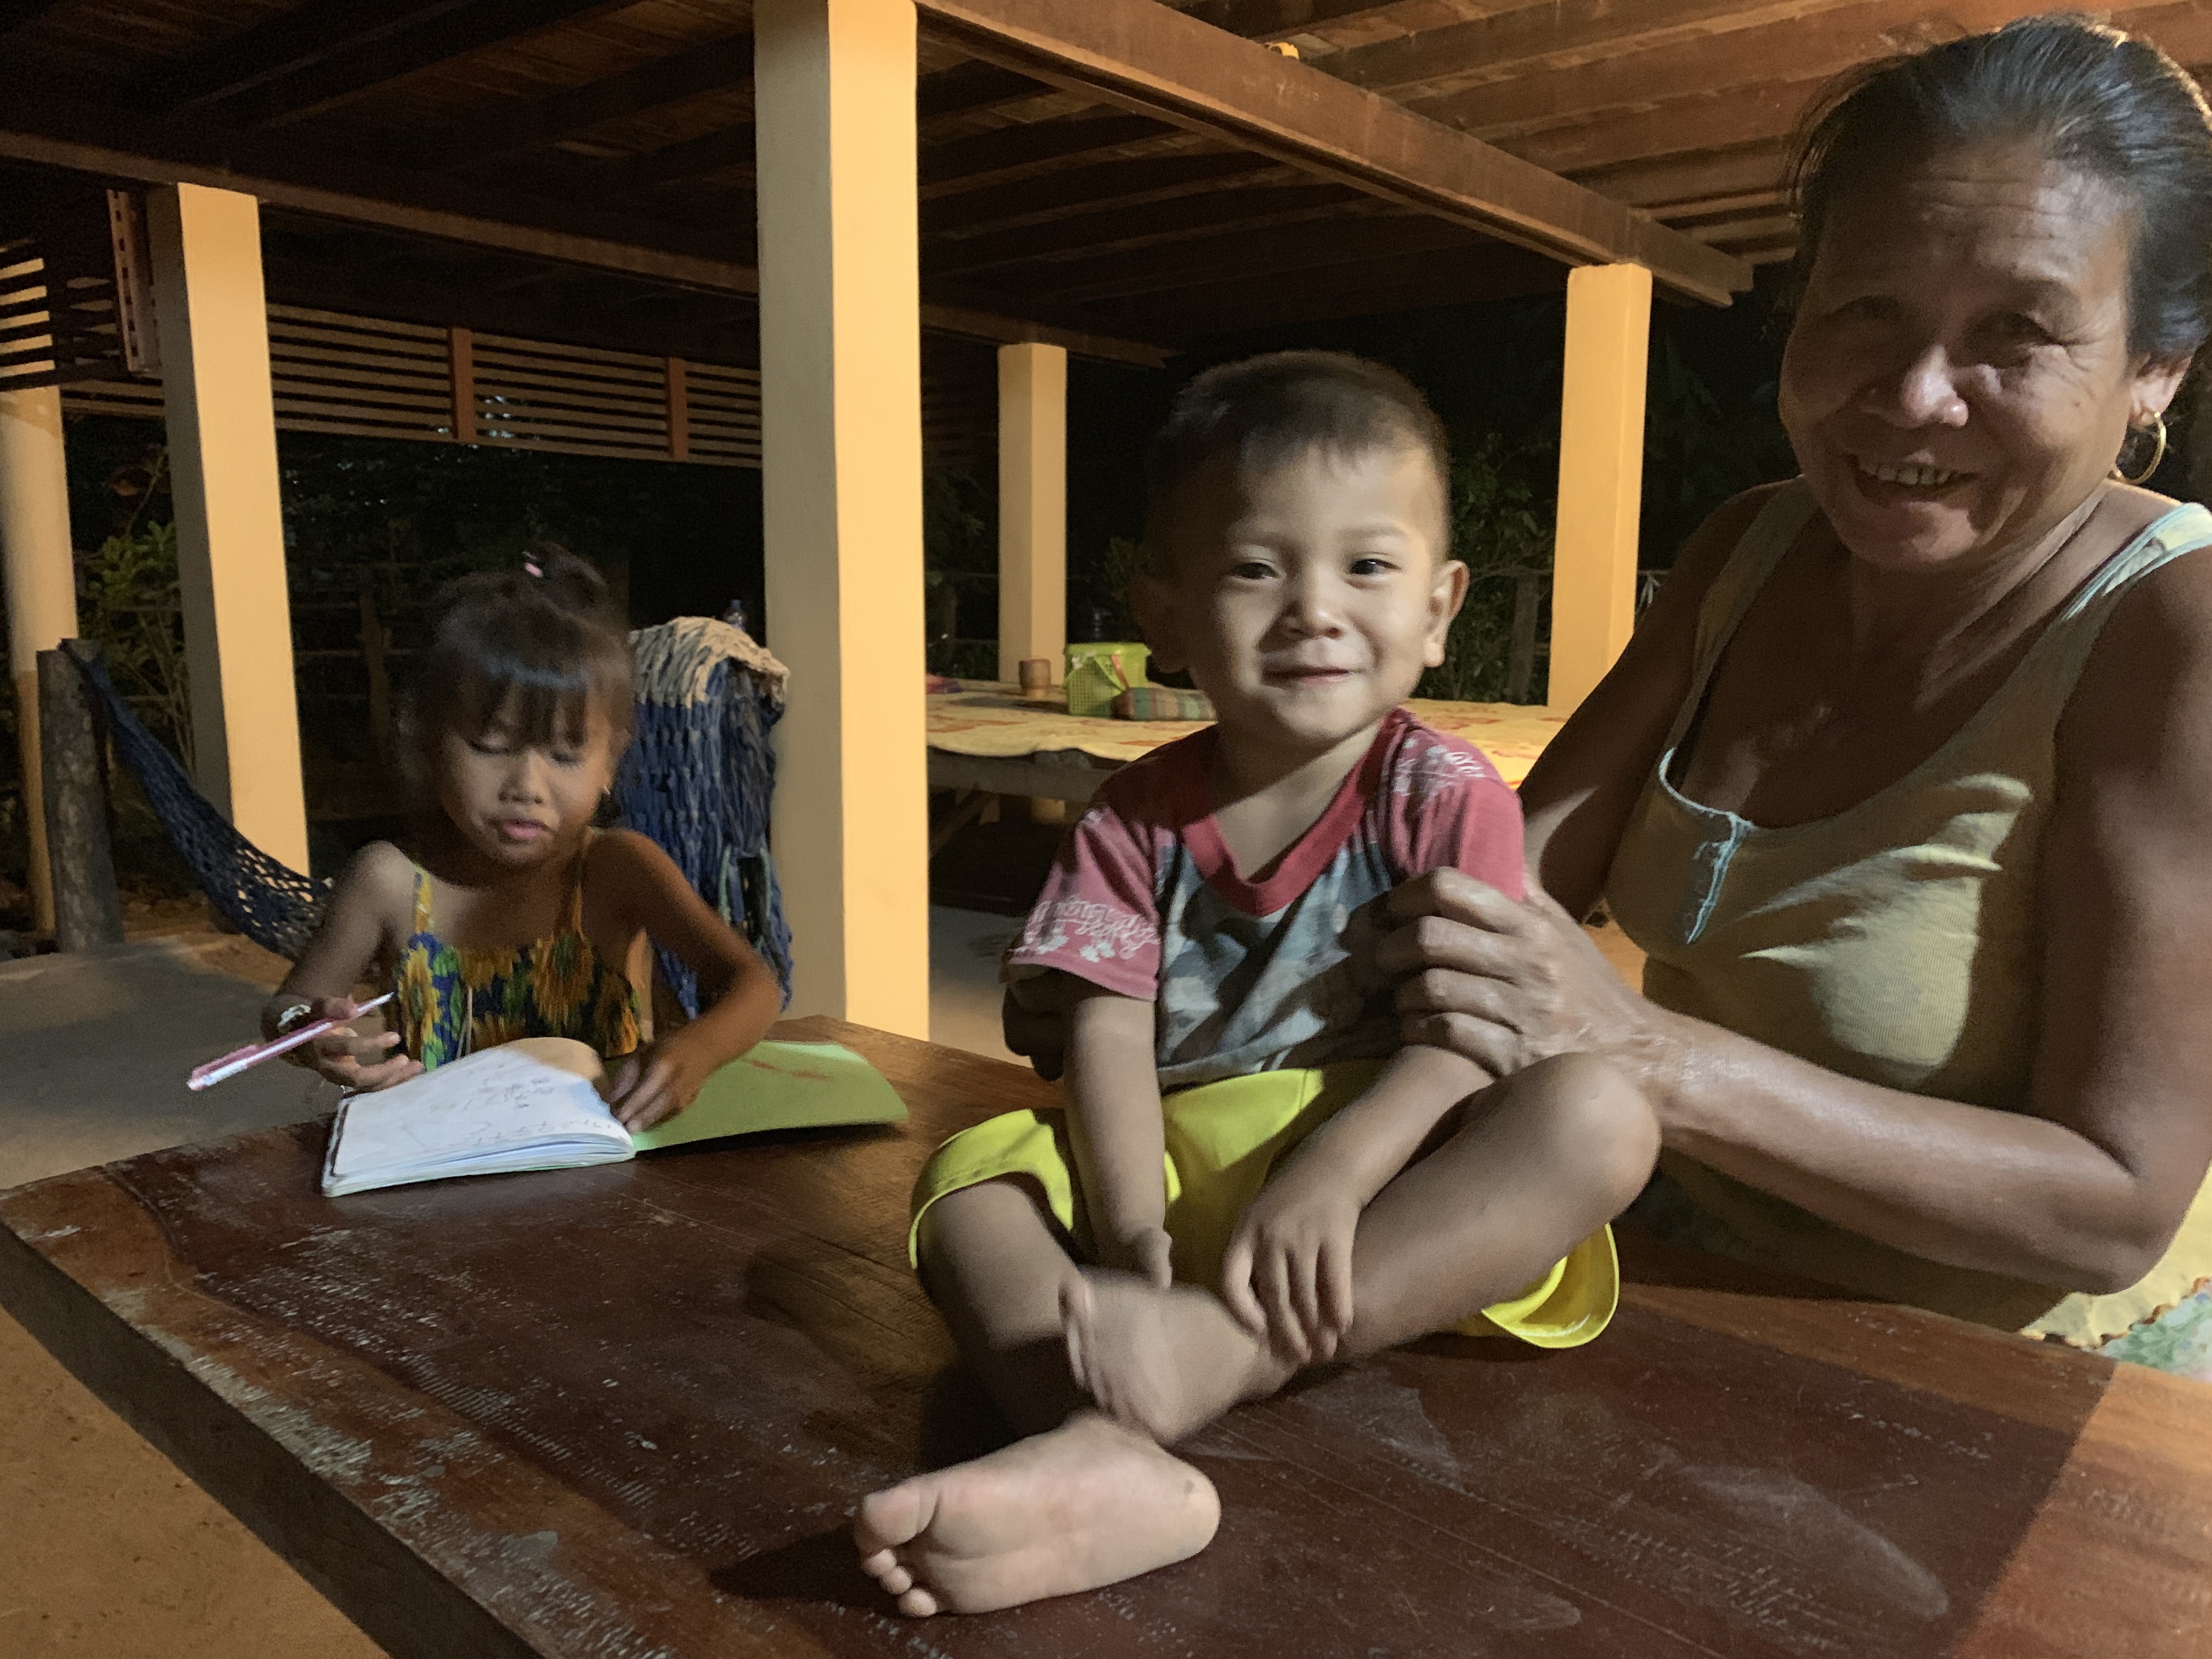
(657, 1082)
(1145, 1251)
(347, 1059)
(1287, 1272)
(1504, 982)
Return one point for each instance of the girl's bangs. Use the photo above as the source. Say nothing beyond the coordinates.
(530, 705)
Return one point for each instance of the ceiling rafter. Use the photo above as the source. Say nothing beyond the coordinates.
(1262, 256)
(710, 66)
(1126, 228)
(965, 163)
(449, 36)
(1144, 58)
(307, 35)
(1093, 189)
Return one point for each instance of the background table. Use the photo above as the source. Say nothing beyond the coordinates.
(622, 1412)
(989, 736)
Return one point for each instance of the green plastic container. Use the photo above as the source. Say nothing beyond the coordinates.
(1100, 671)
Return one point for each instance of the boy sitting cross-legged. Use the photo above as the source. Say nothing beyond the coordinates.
(1253, 1174)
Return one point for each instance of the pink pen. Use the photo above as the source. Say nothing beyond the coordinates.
(253, 1054)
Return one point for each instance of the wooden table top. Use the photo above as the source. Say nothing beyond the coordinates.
(622, 1412)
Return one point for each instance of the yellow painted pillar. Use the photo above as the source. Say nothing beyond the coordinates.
(1600, 476)
(1032, 506)
(41, 588)
(214, 324)
(841, 478)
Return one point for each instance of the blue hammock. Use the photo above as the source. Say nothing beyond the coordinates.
(699, 776)
(271, 903)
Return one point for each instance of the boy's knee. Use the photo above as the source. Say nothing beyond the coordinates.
(1599, 1119)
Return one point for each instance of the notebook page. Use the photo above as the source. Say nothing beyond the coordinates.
(492, 1102)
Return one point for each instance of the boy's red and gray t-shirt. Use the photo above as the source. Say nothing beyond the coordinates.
(1144, 901)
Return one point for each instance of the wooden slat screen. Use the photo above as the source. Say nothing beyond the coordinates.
(368, 377)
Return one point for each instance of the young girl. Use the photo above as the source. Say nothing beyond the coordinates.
(516, 918)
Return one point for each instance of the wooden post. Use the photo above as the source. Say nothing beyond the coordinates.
(461, 379)
(1032, 507)
(213, 319)
(41, 589)
(679, 410)
(88, 911)
(1600, 476)
(841, 483)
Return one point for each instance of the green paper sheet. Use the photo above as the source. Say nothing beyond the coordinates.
(781, 1086)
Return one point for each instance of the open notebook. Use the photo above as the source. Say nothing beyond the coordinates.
(535, 1105)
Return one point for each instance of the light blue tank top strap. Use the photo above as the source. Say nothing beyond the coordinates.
(2035, 693)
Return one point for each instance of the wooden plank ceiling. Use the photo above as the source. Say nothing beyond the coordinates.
(599, 124)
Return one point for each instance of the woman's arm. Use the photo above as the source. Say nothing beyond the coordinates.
(2082, 1191)
(362, 925)
(635, 887)
(1120, 1139)
(1578, 796)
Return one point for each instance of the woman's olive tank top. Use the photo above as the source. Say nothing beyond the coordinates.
(1898, 942)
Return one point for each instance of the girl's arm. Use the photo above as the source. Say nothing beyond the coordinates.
(362, 925)
(630, 882)
(1121, 1139)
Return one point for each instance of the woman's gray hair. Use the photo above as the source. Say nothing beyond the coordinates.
(2103, 103)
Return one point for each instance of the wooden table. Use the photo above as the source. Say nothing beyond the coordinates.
(622, 1412)
(990, 738)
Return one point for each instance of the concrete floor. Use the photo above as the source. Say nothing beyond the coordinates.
(105, 1550)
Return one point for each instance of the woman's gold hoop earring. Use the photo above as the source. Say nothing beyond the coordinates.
(2157, 455)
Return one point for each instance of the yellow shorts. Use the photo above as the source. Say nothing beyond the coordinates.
(1224, 1141)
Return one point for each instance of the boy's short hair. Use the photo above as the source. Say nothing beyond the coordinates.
(1266, 410)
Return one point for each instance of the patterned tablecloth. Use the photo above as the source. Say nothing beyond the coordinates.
(995, 721)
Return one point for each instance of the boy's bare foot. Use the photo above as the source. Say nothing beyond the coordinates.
(1167, 1362)
(1088, 1504)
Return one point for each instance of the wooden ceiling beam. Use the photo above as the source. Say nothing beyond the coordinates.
(1128, 228)
(1751, 116)
(1271, 20)
(315, 33)
(987, 157)
(1262, 258)
(97, 139)
(516, 125)
(1821, 43)
(1145, 57)
(1505, 43)
(1657, 186)
(439, 39)
(722, 151)
(1091, 189)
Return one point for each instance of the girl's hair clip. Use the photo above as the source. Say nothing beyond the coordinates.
(532, 568)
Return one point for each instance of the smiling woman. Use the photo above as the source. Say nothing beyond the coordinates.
(1903, 785)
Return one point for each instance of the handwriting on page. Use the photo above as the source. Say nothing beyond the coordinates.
(494, 1101)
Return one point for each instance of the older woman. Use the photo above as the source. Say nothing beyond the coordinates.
(1905, 786)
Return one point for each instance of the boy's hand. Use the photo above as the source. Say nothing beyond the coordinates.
(1145, 1251)
(1287, 1272)
(657, 1082)
(347, 1059)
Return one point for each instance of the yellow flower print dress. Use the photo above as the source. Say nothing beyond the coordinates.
(453, 1001)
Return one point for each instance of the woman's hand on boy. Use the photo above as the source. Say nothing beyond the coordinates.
(1287, 1272)
(346, 1057)
(657, 1082)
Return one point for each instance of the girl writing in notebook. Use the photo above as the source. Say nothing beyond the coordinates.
(514, 917)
